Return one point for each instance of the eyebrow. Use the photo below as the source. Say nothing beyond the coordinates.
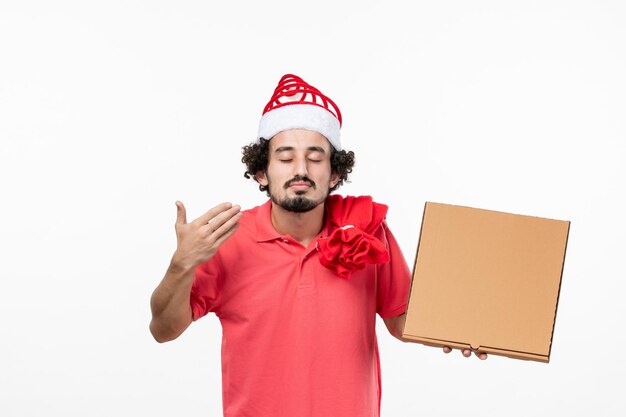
(291, 148)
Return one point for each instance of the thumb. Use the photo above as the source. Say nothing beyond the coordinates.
(181, 213)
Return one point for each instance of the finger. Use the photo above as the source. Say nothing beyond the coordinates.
(225, 227)
(481, 355)
(206, 217)
(219, 220)
(181, 213)
(226, 235)
(446, 349)
(467, 353)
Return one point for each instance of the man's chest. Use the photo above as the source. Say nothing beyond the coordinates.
(279, 277)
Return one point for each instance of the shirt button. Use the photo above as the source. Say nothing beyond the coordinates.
(286, 240)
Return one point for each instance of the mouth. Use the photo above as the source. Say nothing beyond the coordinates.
(300, 185)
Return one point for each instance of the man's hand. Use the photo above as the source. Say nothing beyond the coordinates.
(467, 353)
(198, 241)
(395, 325)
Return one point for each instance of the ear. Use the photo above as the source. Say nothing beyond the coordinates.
(261, 178)
(334, 179)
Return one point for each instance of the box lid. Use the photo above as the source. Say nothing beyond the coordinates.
(486, 280)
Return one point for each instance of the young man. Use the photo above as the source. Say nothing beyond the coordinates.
(296, 282)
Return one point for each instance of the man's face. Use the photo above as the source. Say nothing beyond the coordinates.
(298, 173)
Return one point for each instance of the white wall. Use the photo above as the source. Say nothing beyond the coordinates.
(111, 111)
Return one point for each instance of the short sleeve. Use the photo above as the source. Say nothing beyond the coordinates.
(393, 277)
(207, 288)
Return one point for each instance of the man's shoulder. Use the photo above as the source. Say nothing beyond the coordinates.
(250, 215)
(248, 223)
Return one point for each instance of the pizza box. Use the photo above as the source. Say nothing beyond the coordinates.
(487, 281)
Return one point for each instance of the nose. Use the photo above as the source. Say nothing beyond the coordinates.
(300, 166)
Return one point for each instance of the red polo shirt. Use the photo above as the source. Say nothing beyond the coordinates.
(297, 340)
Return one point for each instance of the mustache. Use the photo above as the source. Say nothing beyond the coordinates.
(299, 178)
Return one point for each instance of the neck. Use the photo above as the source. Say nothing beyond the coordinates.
(303, 227)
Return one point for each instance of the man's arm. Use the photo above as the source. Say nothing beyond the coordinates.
(198, 241)
(171, 310)
(395, 325)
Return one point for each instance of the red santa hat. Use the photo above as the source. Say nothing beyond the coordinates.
(298, 105)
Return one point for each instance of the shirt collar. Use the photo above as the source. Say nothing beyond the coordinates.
(265, 229)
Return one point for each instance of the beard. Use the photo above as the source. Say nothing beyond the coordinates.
(299, 203)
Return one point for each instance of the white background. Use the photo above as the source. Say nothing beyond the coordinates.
(111, 111)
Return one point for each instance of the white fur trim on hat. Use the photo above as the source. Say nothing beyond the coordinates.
(300, 116)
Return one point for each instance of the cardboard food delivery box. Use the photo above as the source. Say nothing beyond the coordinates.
(486, 280)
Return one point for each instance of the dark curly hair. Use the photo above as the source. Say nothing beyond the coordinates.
(256, 158)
